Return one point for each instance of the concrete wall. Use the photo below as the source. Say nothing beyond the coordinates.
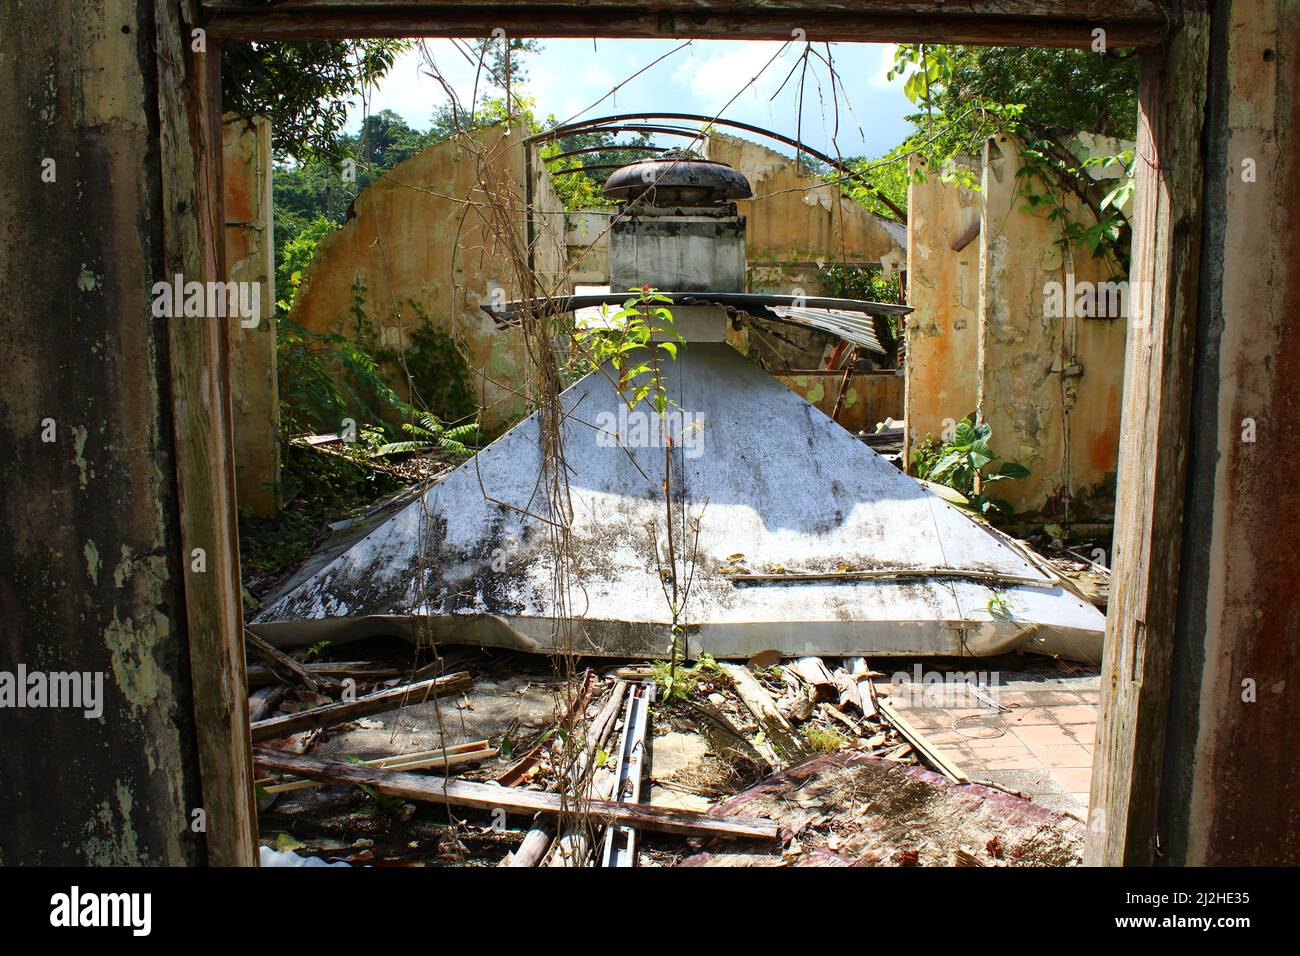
(1230, 793)
(91, 561)
(797, 220)
(943, 287)
(250, 257)
(413, 243)
(1050, 386)
(986, 334)
(586, 237)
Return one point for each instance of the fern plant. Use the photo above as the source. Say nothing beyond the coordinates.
(429, 431)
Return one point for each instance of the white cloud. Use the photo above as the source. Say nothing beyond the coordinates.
(880, 78)
(714, 76)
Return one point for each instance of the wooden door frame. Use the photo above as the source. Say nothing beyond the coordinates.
(1157, 394)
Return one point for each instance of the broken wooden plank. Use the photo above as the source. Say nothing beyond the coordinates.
(589, 783)
(538, 838)
(922, 744)
(531, 850)
(390, 699)
(285, 667)
(515, 774)
(259, 675)
(813, 672)
(420, 760)
(847, 690)
(778, 734)
(265, 701)
(863, 674)
(486, 796)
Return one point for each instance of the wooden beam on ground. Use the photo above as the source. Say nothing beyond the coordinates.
(260, 675)
(441, 758)
(285, 667)
(813, 672)
(1063, 23)
(515, 774)
(486, 796)
(779, 735)
(391, 699)
(861, 672)
(922, 744)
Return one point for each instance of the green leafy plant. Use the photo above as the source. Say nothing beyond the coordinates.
(626, 340)
(677, 681)
(429, 431)
(963, 465)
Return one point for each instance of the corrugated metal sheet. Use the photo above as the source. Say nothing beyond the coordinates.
(852, 327)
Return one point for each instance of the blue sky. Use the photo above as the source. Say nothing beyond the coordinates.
(568, 76)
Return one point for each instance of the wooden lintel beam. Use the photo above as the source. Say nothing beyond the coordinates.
(885, 23)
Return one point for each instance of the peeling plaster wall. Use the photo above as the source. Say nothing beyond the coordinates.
(250, 257)
(1050, 386)
(89, 550)
(943, 287)
(420, 245)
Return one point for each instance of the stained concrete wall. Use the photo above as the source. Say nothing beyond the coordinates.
(1049, 385)
(797, 220)
(250, 257)
(414, 245)
(987, 335)
(1230, 793)
(943, 288)
(90, 549)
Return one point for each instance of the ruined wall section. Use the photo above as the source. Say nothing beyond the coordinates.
(1049, 384)
(798, 222)
(943, 288)
(420, 255)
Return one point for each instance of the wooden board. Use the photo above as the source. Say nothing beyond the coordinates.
(391, 699)
(1066, 23)
(484, 796)
(1152, 454)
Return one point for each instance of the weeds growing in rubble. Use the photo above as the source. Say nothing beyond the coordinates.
(678, 683)
(823, 740)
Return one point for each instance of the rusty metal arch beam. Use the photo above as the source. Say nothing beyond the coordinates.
(599, 123)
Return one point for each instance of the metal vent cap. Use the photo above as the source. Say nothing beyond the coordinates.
(671, 180)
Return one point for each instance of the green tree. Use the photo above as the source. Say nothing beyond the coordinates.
(966, 94)
(305, 86)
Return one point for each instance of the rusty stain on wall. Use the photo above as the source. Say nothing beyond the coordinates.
(416, 251)
(250, 257)
(990, 333)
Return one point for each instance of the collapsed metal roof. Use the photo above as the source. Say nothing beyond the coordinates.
(808, 542)
(850, 319)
